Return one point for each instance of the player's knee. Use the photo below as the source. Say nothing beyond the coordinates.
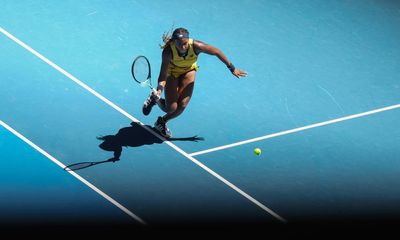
(172, 107)
(183, 104)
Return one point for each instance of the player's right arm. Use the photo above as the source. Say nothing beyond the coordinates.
(162, 77)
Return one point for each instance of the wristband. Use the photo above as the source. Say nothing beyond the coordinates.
(231, 67)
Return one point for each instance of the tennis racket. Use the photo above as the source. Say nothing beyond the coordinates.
(141, 72)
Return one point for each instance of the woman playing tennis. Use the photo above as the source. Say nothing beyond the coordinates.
(177, 76)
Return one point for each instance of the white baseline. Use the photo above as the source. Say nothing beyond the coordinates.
(296, 130)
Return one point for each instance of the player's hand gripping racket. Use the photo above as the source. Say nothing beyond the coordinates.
(141, 72)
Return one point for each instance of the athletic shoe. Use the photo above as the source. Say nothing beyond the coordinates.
(161, 126)
(149, 103)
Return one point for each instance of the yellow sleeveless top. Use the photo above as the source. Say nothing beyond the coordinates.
(180, 65)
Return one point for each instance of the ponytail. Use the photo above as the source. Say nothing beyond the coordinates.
(167, 39)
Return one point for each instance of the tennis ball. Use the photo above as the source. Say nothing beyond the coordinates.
(257, 151)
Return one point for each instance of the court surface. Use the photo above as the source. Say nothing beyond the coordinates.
(321, 100)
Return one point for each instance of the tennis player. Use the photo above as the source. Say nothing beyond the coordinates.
(177, 76)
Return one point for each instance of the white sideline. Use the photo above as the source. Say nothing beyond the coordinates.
(84, 181)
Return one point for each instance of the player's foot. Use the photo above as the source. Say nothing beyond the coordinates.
(161, 126)
(149, 103)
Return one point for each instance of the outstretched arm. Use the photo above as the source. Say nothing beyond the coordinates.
(211, 50)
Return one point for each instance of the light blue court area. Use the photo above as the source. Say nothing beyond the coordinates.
(65, 80)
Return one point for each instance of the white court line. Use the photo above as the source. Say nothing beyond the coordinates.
(80, 83)
(296, 130)
(23, 138)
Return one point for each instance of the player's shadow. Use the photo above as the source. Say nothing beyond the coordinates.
(133, 136)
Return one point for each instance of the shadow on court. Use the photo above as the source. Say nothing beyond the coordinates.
(133, 136)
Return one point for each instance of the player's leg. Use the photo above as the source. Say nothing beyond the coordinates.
(178, 94)
(168, 92)
(170, 105)
(185, 91)
(171, 94)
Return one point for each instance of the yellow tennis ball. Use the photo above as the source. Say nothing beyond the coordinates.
(257, 151)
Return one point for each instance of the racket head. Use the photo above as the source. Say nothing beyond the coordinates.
(78, 166)
(141, 71)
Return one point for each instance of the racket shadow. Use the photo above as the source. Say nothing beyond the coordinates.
(133, 136)
(81, 165)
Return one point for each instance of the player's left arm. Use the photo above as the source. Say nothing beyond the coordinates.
(211, 50)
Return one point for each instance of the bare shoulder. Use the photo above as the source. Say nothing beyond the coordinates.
(167, 50)
(167, 53)
(199, 46)
(198, 43)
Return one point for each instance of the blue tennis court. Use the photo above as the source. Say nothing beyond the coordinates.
(321, 100)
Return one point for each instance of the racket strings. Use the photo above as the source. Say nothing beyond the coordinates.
(141, 71)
